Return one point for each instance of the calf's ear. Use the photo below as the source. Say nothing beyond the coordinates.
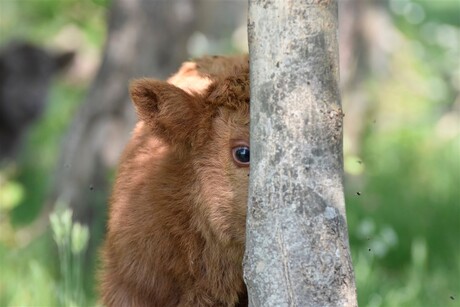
(171, 112)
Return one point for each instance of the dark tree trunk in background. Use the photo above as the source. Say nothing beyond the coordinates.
(365, 30)
(297, 251)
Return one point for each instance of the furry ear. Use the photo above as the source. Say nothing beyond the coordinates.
(171, 112)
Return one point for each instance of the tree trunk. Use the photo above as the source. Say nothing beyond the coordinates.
(297, 251)
(365, 30)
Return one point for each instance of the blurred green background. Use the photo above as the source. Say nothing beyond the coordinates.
(402, 166)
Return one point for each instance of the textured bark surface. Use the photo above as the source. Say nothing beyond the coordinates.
(297, 251)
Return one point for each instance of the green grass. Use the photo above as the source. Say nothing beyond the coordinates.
(40, 274)
(26, 278)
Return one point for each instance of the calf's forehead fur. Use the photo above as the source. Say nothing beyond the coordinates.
(201, 90)
(210, 67)
(220, 80)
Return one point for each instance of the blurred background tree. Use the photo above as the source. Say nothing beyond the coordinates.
(401, 95)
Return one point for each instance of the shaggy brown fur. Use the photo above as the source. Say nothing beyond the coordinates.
(177, 218)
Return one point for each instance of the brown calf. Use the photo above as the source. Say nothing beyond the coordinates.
(176, 229)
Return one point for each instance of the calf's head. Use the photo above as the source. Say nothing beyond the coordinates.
(208, 128)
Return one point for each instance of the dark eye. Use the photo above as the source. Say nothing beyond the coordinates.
(241, 155)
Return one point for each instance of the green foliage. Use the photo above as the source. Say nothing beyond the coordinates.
(41, 151)
(25, 281)
(12, 192)
(29, 278)
(26, 277)
(20, 19)
(34, 270)
(405, 224)
(446, 11)
(72, 240)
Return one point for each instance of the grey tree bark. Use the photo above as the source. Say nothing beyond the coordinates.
(297, 251)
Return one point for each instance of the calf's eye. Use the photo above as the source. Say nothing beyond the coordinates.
(241, 155)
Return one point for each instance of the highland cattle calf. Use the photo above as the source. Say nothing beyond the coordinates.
(176, 229)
